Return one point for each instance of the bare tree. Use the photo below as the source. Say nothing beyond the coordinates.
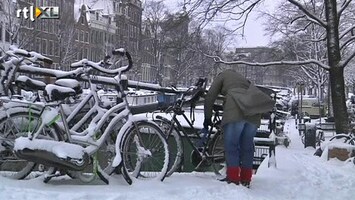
(328, 18)
(18, 31)
(154, 13)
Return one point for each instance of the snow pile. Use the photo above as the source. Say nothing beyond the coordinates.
(298, 175)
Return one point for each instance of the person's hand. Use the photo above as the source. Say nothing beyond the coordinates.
(207, 122)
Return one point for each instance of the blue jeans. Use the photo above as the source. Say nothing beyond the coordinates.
(239, 144)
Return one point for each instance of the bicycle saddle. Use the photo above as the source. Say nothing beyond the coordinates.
(55, 92)
(70, 83)
(29, 84)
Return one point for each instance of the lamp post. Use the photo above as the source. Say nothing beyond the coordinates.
(300, 87)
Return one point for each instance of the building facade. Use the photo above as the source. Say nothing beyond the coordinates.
(8, 25)
(270, 75)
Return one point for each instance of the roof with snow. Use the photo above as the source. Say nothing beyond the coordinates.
(104, 7)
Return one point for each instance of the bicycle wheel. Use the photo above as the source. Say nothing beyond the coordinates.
(176, 150)
(145, 151)
(352, 141)
(217, 154)
(16, 125)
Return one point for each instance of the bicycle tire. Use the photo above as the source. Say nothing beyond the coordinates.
(217, 153)
(352, 141)
(139, 158)
(22, 168)
(175, 143)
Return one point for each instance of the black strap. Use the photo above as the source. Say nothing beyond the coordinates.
(192, 113)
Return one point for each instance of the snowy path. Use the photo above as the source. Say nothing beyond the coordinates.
(299, 175)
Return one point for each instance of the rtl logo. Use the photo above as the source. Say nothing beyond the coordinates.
(44, 12)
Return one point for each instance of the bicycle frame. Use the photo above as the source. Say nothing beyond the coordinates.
(89, 135)
(53, 111)
(174, 122)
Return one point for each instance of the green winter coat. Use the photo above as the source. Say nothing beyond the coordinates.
(231, 112)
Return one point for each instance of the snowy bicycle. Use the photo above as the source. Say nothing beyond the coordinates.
(91, 139)
(207, 145)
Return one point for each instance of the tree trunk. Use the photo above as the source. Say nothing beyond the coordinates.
(338, 99)
(336, 72)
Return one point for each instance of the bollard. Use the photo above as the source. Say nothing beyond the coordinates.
(310, 138)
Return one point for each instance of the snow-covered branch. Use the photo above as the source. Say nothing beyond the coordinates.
(311, 16)
(217, 59)
(346, 31)
(343, 7)
(347, 60)
(348, 41)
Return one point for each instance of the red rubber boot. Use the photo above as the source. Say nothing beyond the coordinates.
(233, 175)
(245, 176)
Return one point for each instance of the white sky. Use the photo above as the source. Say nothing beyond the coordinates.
(254, 33)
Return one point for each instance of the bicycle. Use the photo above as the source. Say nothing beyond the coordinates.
(208, 150)
(91, 138)
(25, 120)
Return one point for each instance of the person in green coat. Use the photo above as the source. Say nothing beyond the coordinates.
(239, 130)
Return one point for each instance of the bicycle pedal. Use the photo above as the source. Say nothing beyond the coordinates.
(41, 167)
(48, 177)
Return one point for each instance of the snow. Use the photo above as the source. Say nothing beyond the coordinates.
(104, 6)
(50, 88)
(298, 175)
(71, 83)
(60, 149)
(26, 78)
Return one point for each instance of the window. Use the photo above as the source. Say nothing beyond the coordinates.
(93, 54)
(97, 16)
(92, 37)
(81, 36)
(76, 36)
(38, 44)
(44, 46)
(50, 47)
(7, 33)
(46, 25)
(50, 26)
(56, 49)
(1, 30)
(86, 37)
(85, 53)
(55, 26)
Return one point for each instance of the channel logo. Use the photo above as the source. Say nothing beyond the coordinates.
(33, 13)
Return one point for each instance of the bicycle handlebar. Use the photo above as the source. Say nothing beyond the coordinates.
(197, 90)
(96, 66)
(32, 56)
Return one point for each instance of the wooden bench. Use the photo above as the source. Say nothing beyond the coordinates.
(326, 126)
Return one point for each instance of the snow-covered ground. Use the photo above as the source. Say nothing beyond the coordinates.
(298, 175)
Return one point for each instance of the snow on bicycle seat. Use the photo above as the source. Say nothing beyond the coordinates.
(70, 83)
(55, 92)
(29, 84)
